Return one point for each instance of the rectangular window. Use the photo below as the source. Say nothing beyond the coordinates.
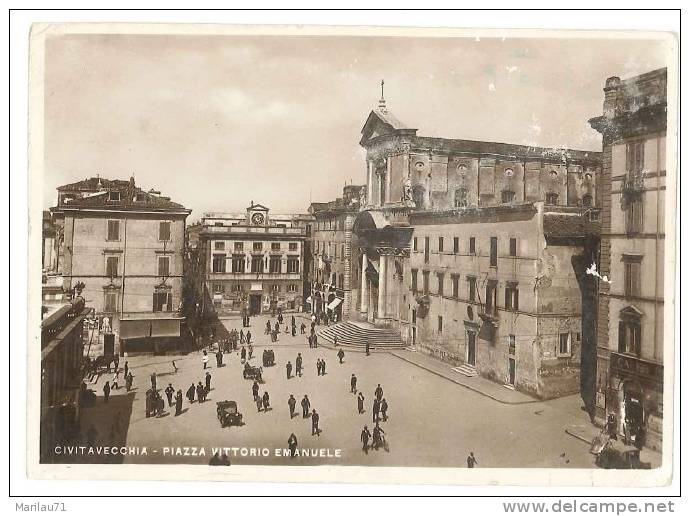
(634, 157)
(275, 246)
(293, 265)
(426, 249)
(238, 264)
(414, 243)
(472, 287)
(218, 288)
(239, 246)
(414, 280)
(507, 196)
(258, 246)
(218, 246)
(292, 288)
(114, 196)
(275, 288)
(629, 334)
(511, 299)
(511, 344)
(113, 230)
(257, 264)
(513, 247)
(456, 245)
(238, 287)
(274, 265)
(564, 344)
(425, 282)
(439, 276)
(164, 266)
(162, 302)
(440, 324)
(633, 217)
(455, 280)
(632, 275)
(219, 263)
(112, 266)
(473, 249)
(493, 258)
(164, 230)
(292, 246)
(110, 302)
(440, 244)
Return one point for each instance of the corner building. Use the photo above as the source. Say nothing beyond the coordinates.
(475, 252)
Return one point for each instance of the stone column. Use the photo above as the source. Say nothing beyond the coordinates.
(383, 261)
(389, 166)
(370, 182)
(364, 293)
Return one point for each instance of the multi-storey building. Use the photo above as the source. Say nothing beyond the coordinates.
(123, 248)
(631, 306)
(334, 247)
(253, 262)
(450, 224)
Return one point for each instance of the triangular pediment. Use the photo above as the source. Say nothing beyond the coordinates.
(257, 207)
(381, 123)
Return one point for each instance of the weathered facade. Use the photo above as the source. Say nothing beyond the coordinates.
(253, 262)
(334, 282)
(441, 215)
(631, 306)
(123, 248)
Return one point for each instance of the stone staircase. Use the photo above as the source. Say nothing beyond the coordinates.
(355, 335)
(466, 369)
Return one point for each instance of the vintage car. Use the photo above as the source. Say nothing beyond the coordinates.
(228, 415)
(252, 372)
(268, 358)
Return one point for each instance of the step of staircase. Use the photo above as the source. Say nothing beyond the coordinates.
(351, 335)
(467, 370)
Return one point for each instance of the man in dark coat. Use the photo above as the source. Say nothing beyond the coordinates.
(318, 367)
(378, 392)
(149, 402)
(268, 327)
(367, 348)
(255, 390)
(323, 367)
(298, 365)
(302, 329)
(126, 368)
(315, 423)
(153, 381)
(208, 381)
(364, 437)
(128, 380)
(360, 403)
(305, 406)
(292, 444)
(200, 393)
(219, 358)
(341, 355)
(291, 405)
(316, 341)
(106, 392)
(169, 392)
(353, 384)
(249, 337)
(243, 354)
(190, 393)
(471, 461)
(178, 403)
(288, 370)
(375, 410)
(265, 400)
(384, 409)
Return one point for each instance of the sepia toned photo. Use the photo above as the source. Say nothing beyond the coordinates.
(356, 249)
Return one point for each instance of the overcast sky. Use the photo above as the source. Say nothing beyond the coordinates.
(217, 121)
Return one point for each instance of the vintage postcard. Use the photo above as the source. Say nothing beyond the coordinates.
(400, 255)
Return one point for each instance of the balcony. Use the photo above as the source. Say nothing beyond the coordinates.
(255, 276)
(633, 183)
(489, 315)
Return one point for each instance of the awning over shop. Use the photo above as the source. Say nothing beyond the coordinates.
(154, 327)
(334, 304)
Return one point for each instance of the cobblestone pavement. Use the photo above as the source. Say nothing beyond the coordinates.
(432, 421)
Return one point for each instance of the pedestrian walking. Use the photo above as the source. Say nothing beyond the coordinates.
(353, 384)
(204, 359)
(375, 410)
(384, 409)
(341, 355)
(219, 358)
(293, 330)
(190, 393)
(115, 383)
(316, 341)
(378, 392)
(318, 367)
(302, 328)
(291, 405)
(255, 390)
(298, 365)
(169, 392)
(378, 439)
(335, 341)
(266, 400)
(364, 437)
(259, 403)
(367, 348)
(243, 353)
(208, 381)
(106, 392)
(249, 337)
(241, 337)
(323, 367)
(306, 404)
(153, 381)
(309, 341)
(292, 444)
(178, 402)
(315, 423)
(288, 370)
(360, 403)
(126, 369)
(268, 327)
(251, 351)
(174, 366)
(129, 379)
(471, 460)
(200, 393)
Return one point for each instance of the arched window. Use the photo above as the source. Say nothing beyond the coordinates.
(586, 200)
(418, 194)
(552, 199)
(461, 197)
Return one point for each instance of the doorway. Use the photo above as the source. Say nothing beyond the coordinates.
(471, 348)
(511, 371)
(254, 304)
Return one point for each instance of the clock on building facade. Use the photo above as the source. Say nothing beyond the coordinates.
(257, 218)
